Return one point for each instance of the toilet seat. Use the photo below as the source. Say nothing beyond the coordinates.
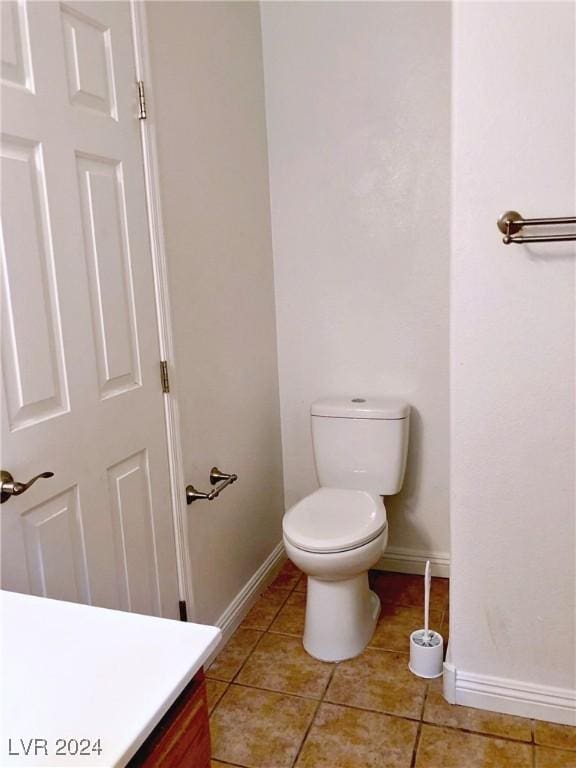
(334, 520)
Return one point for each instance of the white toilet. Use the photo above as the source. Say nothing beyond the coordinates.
(340, 531)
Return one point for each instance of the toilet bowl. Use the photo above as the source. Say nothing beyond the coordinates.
(336, 534)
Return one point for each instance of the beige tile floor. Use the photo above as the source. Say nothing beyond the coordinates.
(273, 706)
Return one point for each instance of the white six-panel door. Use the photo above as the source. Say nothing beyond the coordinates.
(80, 352)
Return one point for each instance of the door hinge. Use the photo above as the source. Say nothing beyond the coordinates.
(183, 610)
(141, 101)
(165, 381)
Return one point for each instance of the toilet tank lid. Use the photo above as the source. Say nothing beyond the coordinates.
(361, 407)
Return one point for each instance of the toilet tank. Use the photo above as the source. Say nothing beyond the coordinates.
(361, 443)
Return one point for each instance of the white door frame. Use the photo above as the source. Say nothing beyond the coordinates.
(163, 308)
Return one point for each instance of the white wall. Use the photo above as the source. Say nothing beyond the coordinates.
(513, 602)
(358, 115)
(210, 121)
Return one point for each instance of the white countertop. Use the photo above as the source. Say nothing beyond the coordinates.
(73, 671)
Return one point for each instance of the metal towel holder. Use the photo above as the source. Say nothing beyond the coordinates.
(512, 222)
(216, 476)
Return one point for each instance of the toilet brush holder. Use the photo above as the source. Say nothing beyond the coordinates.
(426, 654)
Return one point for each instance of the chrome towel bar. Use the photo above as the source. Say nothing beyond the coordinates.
(512, 222)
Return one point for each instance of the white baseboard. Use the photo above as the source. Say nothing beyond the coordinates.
(449, 680)
(404, 560)
(512, 697)
(245, 599)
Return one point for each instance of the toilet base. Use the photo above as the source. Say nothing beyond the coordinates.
(340, 617)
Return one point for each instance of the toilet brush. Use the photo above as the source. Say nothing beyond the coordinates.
(427, 585)
(426, 646)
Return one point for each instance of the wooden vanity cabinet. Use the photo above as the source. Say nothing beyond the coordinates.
(182, 738)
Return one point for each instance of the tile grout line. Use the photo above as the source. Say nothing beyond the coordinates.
(262, 596)
(553, 747)
(280, 693)
(263, 633)
(253, 629)
(497, 736)
(420, 725)
(289, 590)
(233, 678)
(249, 655)
(373, 711)
(405, 718)
(312, 721)
(211, 679)
(306, 732)
(420, 722)
(243, 664)
(340, 704)
(306, 698)
(260, 628)
(286, 634)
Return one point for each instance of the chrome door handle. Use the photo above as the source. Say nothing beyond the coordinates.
(10, 487)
